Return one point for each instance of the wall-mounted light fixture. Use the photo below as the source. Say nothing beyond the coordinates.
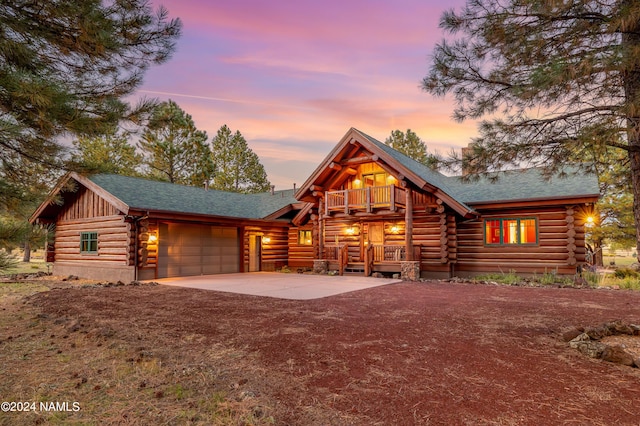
(153, 238)
(394, 229)
(266, 240)
(352, 230)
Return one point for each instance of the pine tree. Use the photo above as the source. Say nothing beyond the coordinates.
(174, 149)
(412, 146)
(66, 67)
(237, 167)
(552, 80)
(109, 153)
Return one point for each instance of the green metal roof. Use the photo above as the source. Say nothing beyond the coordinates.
(144, 194)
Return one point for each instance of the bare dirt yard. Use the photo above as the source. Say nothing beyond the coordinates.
(410, 353)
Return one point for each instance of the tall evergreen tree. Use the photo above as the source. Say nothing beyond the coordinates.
(412, 146)
(109, 153)
(66, 67)
(174, 149)
(237, 167)
(555, 79)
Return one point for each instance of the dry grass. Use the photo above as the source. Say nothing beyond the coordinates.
(119, 378)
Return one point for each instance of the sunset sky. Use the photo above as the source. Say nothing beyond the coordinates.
(294, 76)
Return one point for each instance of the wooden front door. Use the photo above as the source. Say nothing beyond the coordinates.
(376, 233)
(255, 253)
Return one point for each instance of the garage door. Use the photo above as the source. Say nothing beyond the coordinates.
(185, 250)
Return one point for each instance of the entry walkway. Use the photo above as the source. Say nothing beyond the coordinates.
(275, 284)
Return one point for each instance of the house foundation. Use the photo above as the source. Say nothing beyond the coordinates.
(410, 270)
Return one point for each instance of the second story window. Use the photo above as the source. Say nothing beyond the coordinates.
(374, 179)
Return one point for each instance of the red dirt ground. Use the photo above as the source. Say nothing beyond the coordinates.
(402, 354)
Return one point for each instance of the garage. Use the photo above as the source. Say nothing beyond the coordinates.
(187, 250)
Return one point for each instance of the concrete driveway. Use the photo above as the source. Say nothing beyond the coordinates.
(282, 286)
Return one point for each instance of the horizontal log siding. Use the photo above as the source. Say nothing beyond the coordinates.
(550, 254)
(335, 233)
(113, 240)
(428, 233)
(274, 253)
(300, 256)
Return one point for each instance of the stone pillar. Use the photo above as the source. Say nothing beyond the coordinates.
(410, 270)
(320, 266)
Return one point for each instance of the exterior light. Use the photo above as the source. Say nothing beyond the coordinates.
(266, 240)
(394, 229)
(351, 230)
(590, 220)
(152, 238)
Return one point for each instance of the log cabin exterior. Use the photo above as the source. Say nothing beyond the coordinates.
(375, 209)
(122, 228)
(366, 208)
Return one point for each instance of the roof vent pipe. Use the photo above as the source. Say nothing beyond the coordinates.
(273, 189)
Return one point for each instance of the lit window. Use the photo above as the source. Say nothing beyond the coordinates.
(375, 179)
(511, 231)
(89, 242)
(304, 237)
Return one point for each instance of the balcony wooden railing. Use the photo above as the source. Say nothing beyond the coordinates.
(365, 199)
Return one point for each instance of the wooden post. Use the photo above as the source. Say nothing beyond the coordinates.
(320, 229)
(346, 201)
(393, 197)
(408, 224)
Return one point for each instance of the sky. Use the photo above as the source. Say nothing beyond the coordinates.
(293, 76)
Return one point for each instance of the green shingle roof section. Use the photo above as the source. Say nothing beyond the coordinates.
(433, 177)
(143, 194)
(509, 186)
(525, 184)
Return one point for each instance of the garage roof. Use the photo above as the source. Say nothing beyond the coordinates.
(137, 194)
(144, 194)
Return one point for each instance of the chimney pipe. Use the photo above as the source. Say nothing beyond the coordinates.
(273, 189)
(467, 156)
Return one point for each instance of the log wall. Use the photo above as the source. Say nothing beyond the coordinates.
(560, 247)
(87, 212)
(274, 253)
(113, 240)
(300, 256)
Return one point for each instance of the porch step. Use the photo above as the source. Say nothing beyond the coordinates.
(354, 268)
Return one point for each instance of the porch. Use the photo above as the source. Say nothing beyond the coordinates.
(365, 199)
(374, 258)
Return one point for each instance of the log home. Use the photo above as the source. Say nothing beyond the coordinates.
(366, 208)
(123, 228)
(375, 209)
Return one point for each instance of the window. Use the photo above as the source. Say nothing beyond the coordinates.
(304, 237)
(89, 242)
(375, 179)
(511, 231)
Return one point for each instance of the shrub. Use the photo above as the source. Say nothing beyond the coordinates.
(626, 273)
(7, 261)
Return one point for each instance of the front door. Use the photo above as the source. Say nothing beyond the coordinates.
(376, 233)
(255, 253)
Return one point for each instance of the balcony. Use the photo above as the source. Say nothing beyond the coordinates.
(365, 199)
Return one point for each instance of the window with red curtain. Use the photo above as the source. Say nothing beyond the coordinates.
(511, 231)
(492, 231)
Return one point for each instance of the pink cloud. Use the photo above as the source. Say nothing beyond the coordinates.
(294, 76)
